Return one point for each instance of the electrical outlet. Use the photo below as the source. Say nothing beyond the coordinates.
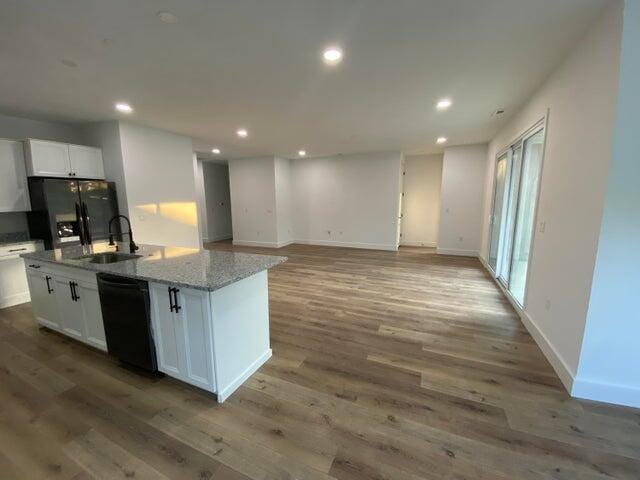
(547, 305)
(542, 226)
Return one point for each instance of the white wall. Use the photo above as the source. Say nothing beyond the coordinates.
(20, 128)
(154, 173)
(161, 192)
(201, 200)
(284, 207)
(421, 201)
(218, 202)
(347, 200)
(461, 200)
(609, 368)
(580, 96)
(253, 201)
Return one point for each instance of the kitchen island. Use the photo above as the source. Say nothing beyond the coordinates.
(209, 309)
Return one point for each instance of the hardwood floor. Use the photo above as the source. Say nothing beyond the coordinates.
(386, 365)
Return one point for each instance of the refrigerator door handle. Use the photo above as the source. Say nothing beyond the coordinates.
(86, 221)
(80, 223)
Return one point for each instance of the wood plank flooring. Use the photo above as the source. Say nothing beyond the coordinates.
(386, 365)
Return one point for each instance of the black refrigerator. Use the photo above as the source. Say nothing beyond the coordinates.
(71, 212)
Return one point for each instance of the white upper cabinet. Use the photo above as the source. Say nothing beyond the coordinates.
(14, 193)
(56, 159)
(86, 162)
(48, 159)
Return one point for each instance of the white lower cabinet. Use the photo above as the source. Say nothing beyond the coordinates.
(181, 320)
(70, 310)
(43, 299)
(92, 315)
(67, 300)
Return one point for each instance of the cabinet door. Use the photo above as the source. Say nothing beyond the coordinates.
(48, 159)
(14, 194)
(71, 314)
(194, 322)
(43, 299)
(89, 299)
(165, 334)
(86, 162)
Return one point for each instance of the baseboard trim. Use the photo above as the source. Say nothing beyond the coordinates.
(333, 243)
(247, 243)
(15, 300)
(285, 243)
(223, 394)
(219, 238)
(460, 253)
(606, 392)
(418, 244)
(560, 366)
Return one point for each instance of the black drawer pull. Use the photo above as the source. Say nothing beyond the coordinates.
(49, 289)
(34, 266)
(17, 250)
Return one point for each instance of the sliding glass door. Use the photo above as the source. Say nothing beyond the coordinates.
(496, 216)
(517, 176)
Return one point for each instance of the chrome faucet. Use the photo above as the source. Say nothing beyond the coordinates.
(132, 245)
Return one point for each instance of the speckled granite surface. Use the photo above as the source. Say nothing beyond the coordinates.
(201, 269)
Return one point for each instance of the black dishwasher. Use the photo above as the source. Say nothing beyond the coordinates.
(127, 321)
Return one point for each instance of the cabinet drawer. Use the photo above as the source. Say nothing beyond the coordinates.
(14, 250)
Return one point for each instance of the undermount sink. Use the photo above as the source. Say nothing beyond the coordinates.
(109, 257)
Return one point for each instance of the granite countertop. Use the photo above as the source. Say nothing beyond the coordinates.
(189, 267)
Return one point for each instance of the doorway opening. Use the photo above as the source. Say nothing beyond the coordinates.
(216, 211)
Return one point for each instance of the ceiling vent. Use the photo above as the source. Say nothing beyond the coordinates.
(498, 112)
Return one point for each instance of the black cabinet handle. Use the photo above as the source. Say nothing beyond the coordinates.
(49, 289)
(171, 306)
(34, 266)
(175, 300)
(17, 250)
(74, 294)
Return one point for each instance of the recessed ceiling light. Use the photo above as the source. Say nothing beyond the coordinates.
(68, 63)
(302, 153)
(124, 107)
(332, 55)
(242, 132)
(167, 17)
(441, 140)
(443, 104)
(215, 151)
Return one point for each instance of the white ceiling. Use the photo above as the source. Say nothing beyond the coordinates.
(257, 64)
